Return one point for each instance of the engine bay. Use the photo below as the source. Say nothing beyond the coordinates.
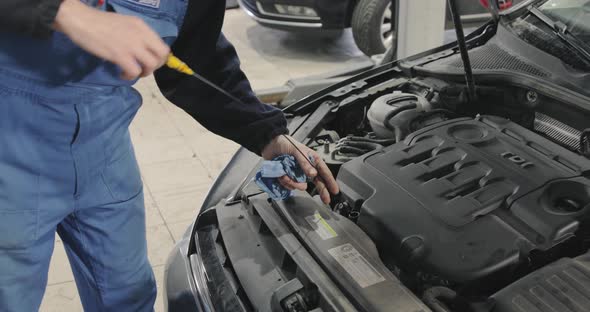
(465, 195)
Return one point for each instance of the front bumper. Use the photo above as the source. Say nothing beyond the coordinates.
(274, 20)
(185, 290)
(195, 277)
(185, 280)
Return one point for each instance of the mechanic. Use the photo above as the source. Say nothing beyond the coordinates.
(66, 159)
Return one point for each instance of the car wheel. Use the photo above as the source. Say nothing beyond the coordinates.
(371, 26)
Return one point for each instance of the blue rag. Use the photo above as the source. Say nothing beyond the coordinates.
(271, 170)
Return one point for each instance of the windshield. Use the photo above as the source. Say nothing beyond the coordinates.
(574, 15)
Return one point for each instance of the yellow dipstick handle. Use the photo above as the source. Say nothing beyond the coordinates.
(175, 63)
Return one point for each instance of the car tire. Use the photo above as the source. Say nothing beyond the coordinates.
(367, 21)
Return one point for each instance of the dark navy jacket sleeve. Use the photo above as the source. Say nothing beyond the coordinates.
(205, 49)
(29, 17)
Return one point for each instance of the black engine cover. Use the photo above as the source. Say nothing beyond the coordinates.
(468, 197)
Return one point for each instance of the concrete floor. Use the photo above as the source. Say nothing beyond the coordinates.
(179, 159)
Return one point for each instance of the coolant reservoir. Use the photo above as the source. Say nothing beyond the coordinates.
(391, 109)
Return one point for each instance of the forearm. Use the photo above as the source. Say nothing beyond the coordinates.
(250, 123)
(204, 48)
(29, 17)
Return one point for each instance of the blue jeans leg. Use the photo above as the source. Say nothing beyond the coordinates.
(105, 236)
(107, 250)
(36, 185)
(67, 164)
(23, 275)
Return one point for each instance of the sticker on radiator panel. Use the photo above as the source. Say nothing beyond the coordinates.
(363, 272)
(148, 3)
(320, 226)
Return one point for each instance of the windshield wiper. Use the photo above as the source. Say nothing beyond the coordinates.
(563, 33)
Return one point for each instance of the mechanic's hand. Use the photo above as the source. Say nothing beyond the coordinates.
(123, 40)
(323, 178)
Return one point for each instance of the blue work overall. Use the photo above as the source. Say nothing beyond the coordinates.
(67, 165)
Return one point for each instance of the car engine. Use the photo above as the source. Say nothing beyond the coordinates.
(468, 198)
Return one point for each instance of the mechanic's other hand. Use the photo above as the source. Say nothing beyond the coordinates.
(123, 40)
(325, 182)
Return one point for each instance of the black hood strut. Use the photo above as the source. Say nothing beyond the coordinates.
(463, 49)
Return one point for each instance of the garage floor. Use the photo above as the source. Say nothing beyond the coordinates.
(179, 159)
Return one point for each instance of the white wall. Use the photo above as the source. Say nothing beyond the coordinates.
(421, 25)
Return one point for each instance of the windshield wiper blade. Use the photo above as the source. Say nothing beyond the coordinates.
(562, 32)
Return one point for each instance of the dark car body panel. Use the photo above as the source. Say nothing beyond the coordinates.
(177, 281)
